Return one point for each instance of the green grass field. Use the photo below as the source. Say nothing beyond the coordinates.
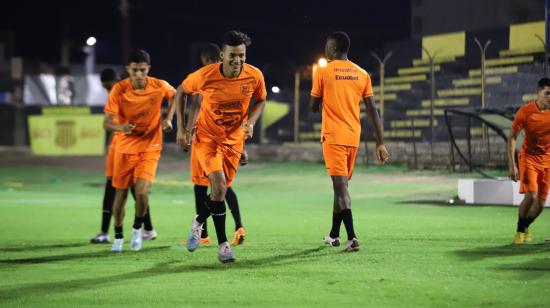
(415, 250)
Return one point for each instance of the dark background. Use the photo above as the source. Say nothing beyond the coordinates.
(286, 35)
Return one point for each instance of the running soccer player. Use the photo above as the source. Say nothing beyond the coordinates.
(108, 79)
(134, 110)
(338, 90)
(211, 54)
(223, 124)
(533, 158)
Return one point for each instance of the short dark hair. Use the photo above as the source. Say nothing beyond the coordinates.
(138, 56)
(542, 83)
(108, 75)
(236, 38)
(341, 40)
(211, 51)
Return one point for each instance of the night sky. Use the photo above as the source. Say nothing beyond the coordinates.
(285, 34)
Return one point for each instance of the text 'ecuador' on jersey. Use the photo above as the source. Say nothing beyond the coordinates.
(342, 85)
(225, 101)
(536, 125)
(143, 110)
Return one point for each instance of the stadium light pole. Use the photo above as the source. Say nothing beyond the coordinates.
(545, 63)
(382, 71)
(297, 106)
(89, 50)
(125, 29)
(65, 53)
(484, 132)
(483, 50)
(431, 58)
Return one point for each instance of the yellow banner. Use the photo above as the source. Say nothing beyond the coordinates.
(273, 112)
(66, 110)
(524, 36)
(67, 135)
(445, 45)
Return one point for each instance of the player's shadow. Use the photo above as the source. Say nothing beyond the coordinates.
(163, 268)
(480, 253)
(277, 260)
(68, 257)
(42, 247)
(446, 203)
(425, 202)
(532, 269)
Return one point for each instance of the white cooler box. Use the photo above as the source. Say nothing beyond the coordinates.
(486, 191)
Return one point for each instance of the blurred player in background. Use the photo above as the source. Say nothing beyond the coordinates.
(338, 89)
(108, 79)
(533, 158)
(134, 111)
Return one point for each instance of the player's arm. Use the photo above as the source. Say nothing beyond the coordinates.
(244, 157)
(194, 108)
(111, 110)
(183, 135)
(254, 115)
(374, 119)
(167, 122)
(513, 173)
(316, 91)
(315, 103)
(110, 125)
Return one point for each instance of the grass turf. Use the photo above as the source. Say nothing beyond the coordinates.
(415, 251)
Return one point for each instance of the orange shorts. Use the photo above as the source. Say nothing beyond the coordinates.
(339, 159)
(208, 156)
(129, 167)
(533, 178)
(197, 174)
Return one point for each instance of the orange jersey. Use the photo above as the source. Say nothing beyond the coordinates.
(342, 84)
(536, 126)
(142, 109)
(225, 100)
(114, 138)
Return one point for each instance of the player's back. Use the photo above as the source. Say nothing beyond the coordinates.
(342, 84)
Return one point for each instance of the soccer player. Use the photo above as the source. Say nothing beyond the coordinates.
(134, 110)
(223, 124)
(338, 90)
(211, 54)
(533, 158)
(108, 79)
